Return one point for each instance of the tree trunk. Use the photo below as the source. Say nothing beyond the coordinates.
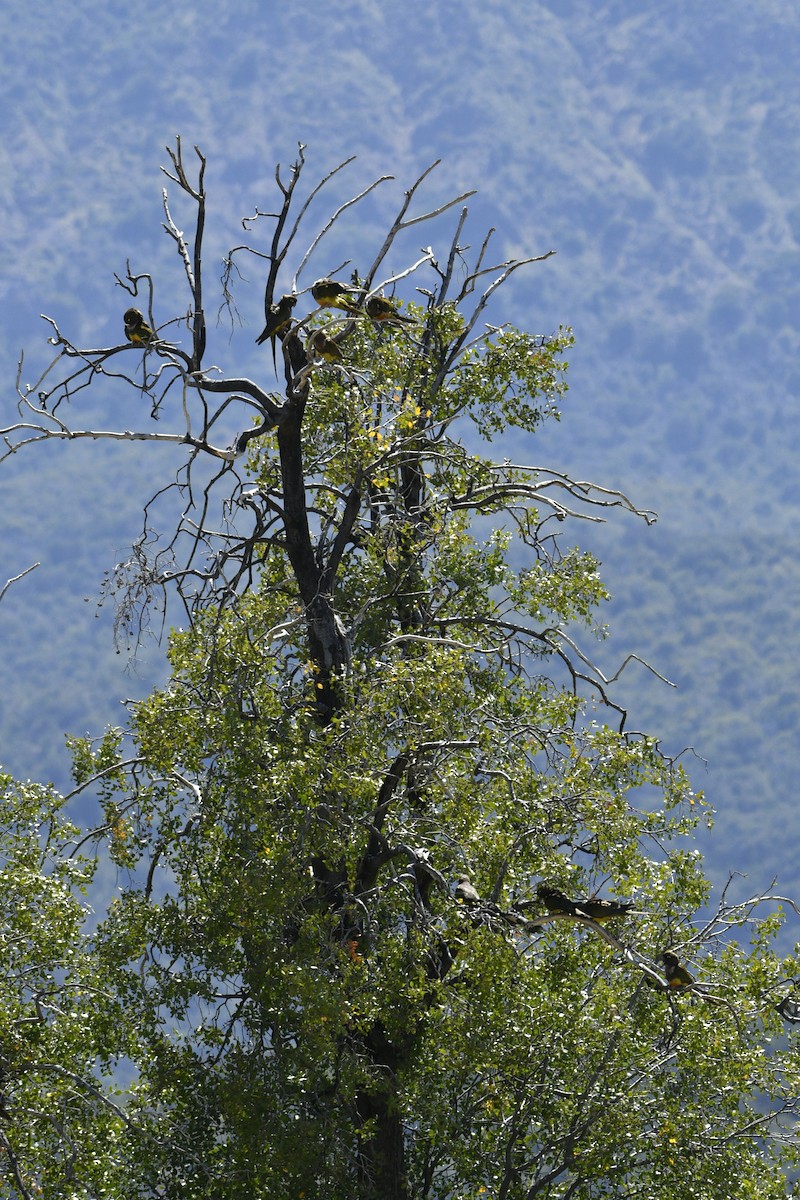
(381, 1150)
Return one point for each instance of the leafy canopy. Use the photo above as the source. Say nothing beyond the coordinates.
(380, 690)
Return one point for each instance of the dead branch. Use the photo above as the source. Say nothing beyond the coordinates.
(16, 578)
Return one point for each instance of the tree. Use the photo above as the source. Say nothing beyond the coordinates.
(54, 1017)
(329, 967)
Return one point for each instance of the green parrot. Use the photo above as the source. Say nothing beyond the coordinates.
(602, 910)
(594, 907)
(330, 294)
(278, 319)
(789, 1008)
(381, 309)
(677, 975)
(554, 900)
(324, 347)
(136, 328)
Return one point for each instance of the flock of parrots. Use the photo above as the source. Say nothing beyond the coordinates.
(328, 293)
(593, 908)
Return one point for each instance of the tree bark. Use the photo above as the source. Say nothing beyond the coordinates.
(381, 1149)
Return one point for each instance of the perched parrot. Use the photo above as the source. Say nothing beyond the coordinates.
(602, 910)
(381, 309)
(594, 907)
(789, 1008)
(136, 328)
(278, 320)
(677, 976)
(330, 294)
(464, 892)
(324, 347)
(554, 900)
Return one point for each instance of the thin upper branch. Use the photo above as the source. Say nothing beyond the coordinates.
(16, 578)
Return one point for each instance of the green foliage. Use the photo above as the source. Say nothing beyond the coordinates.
(301, 1000)
(277, 979)
(56, 1025)
(515, 381)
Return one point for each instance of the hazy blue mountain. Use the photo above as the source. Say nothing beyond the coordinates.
(655, 147)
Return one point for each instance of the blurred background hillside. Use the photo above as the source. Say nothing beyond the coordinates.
(655, 147)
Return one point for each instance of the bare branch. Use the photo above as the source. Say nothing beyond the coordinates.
(16, 578)
(331, 220)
